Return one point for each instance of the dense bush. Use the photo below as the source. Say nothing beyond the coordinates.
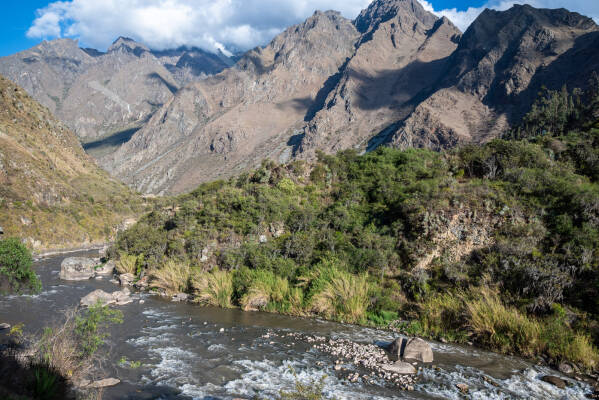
(16, 273)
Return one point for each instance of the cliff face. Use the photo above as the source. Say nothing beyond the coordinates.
(490, 81)
(98, 94)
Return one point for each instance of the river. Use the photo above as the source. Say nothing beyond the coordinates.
(191, 352)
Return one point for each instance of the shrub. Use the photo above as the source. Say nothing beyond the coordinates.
(16, 271)
(213, 288)
(269, 292)
(173, 277)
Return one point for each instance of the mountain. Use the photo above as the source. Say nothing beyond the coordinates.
(231, 121)
(328, 83)
(502, 62)
(100, 95)
(52, 194)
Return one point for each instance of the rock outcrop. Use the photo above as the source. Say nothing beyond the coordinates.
(119, 298)
(77, 269)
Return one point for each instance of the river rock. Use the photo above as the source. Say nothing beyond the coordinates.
(180, 297)
(418, 349)
(77, 269)
(555, 381)
(395, 348)
(95, 296)
(122, 297)
(4, 326)
(104, 383)
(399, 367)
(462, 387)
(565, 368)
(142, 283)
(126, 279)
(106, 269)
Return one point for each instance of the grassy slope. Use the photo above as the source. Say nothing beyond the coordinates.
(51, 193)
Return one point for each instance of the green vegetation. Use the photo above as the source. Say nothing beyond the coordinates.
(310, 391)
(63, 353)
(16, 273)
(497, 243)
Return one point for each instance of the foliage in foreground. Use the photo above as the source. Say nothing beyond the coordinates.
(16, 273)
(404, 235)
(61, 354)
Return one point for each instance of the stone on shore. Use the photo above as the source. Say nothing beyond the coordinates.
(555, 381)
(399, 367)
(104, 383)
(77, 269)
(395, 348)
(126, 279)
(106, 269)
(122, 297)
(565, 368)
(418, 349)
(180, 297)
(4, 326)
(463, 387)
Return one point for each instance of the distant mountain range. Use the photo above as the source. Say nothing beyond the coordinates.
(397, 75)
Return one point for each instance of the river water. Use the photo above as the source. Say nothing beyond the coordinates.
(191, 352)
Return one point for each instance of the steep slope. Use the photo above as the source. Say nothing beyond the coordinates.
(325, 84)
(230, 122)
(101, 94)
(53, 195)
(502, 61)
(402, 50)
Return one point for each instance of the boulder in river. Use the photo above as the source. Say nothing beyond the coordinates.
(418, 349)
(119, 298)
(396, 347)
(555, 381)
(4, 326)
(462, 387)
(95, 296)
(399, 367)
(77, 269)
(180, 297)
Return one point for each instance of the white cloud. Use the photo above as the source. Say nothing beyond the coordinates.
(209, 24)
(463, 18)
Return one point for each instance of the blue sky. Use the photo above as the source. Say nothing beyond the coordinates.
(209, 24)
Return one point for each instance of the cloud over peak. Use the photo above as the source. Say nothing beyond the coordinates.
(208, 24)
(221, 24)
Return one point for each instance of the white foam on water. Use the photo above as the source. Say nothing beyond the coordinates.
(522, 384)
(216, 347)
(268, 378)
(152, 340)
(174, 366)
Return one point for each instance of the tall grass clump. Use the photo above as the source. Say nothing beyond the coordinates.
(126, 264)
(442, 315)
(173, 277)
(268, 292)
(213, 288)
(338, 294)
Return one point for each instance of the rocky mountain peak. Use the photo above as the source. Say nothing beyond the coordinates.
(381, 11)
(128, 45)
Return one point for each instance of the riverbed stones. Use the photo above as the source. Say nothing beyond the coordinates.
(104, 383)
(400, 367)
(555, 381)
(77, 269)
(418, 349)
